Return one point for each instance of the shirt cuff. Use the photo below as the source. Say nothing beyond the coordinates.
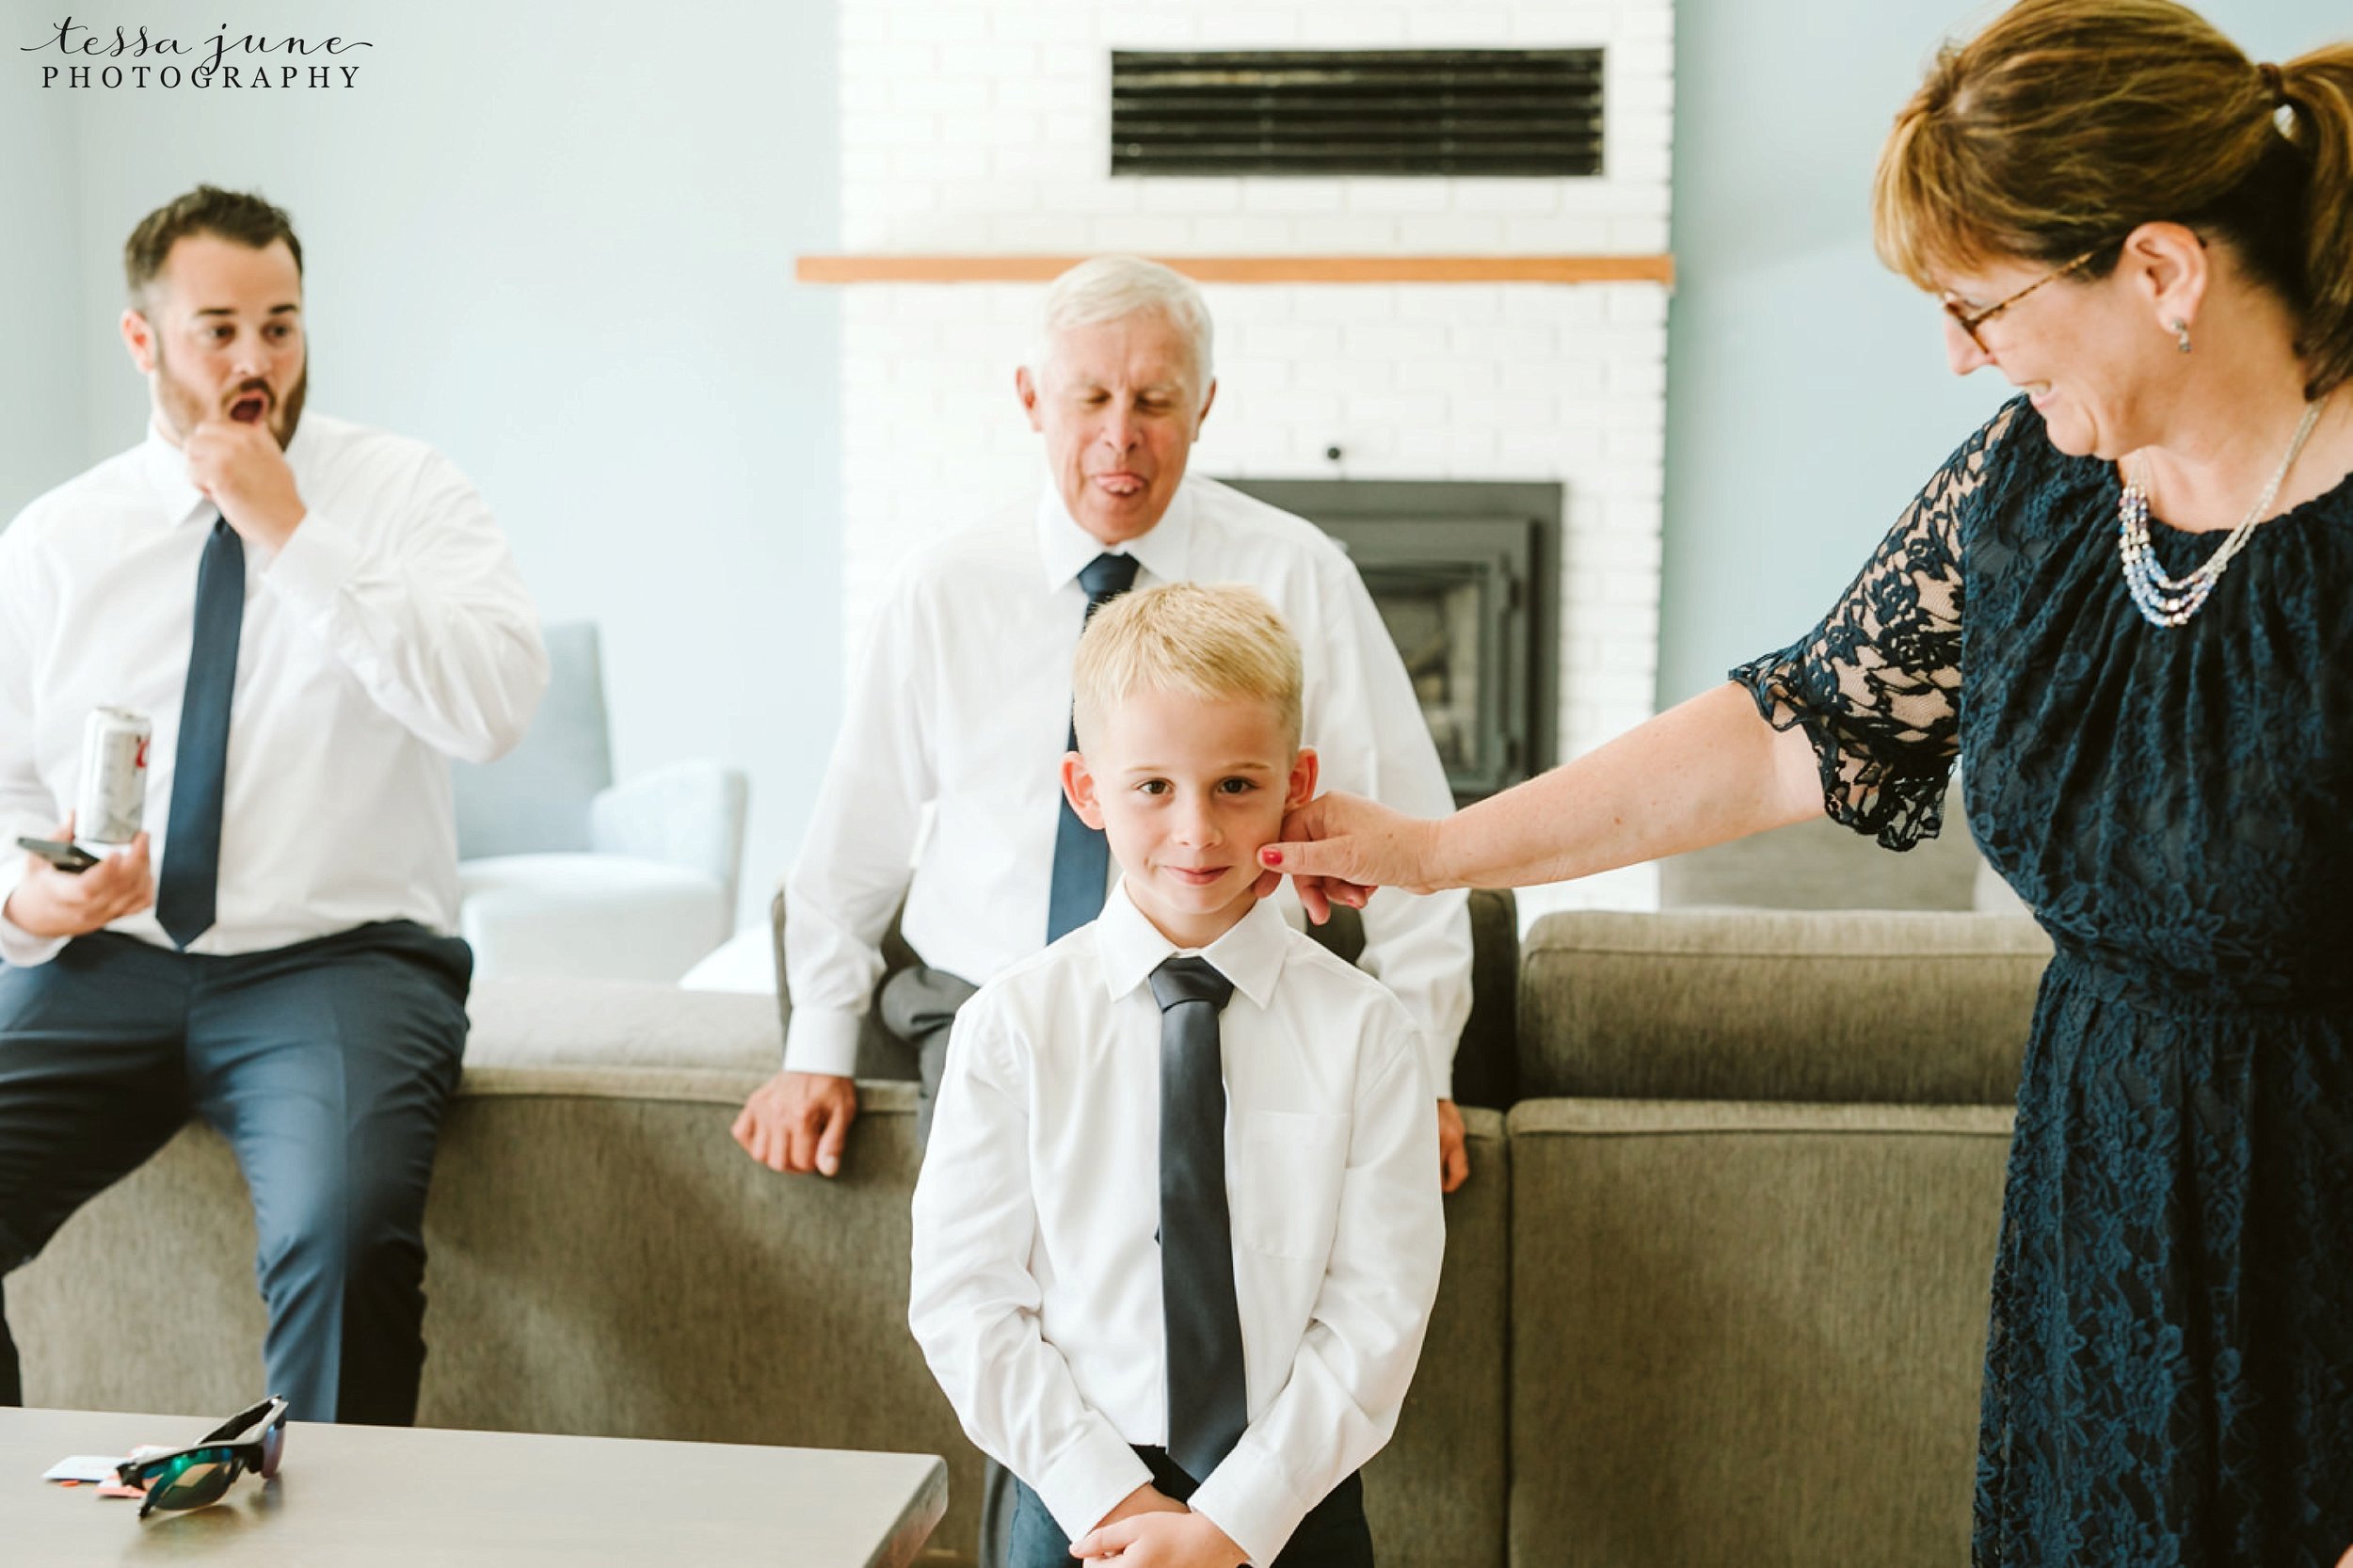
(19, 948)
(317, 561)
(823, 1040)
(1090, 1478)
(1249, 1496)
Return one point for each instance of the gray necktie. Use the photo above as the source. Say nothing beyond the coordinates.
(1208, 1397)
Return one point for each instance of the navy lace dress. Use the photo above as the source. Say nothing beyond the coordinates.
(2169, 1378)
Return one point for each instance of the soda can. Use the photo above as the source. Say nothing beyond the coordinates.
(114, 776)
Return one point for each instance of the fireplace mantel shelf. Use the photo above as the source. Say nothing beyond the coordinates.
(926, 268)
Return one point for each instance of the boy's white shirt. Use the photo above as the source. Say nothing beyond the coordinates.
(1036, 1276)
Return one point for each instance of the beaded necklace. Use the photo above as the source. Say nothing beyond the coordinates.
(2171, 601)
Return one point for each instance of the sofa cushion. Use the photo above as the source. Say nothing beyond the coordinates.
(1895, 1007)
(613, 1023)
(1820, 864)
(1748, 1333)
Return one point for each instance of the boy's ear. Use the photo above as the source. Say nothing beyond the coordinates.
(1077, 787)
(1303, 784)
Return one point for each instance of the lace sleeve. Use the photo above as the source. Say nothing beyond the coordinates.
(1877, 685)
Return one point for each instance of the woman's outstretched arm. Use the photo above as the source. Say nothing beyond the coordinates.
(1707, 770)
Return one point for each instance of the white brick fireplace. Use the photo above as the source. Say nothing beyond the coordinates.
(974, 129)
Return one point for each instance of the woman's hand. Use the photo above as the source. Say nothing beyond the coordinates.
(1338, 848)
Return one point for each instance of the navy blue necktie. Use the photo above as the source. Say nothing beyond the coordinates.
(200, 768)
(1209, 1399)
(1082, 857)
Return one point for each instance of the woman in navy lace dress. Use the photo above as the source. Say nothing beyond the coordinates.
(2127, 602)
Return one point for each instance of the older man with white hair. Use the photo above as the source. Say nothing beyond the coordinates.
(961, 707)
(961, 704)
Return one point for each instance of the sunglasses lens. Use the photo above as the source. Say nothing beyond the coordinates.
(192, 1480)
(273, 1444)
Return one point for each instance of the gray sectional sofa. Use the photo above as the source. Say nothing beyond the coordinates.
(1715, 1293)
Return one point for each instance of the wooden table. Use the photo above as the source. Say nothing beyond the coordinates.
(429, 1496)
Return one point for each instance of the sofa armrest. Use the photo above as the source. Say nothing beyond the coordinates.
(688, 814)
(1890, 1007)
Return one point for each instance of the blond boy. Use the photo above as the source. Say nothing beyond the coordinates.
(1176, 1242)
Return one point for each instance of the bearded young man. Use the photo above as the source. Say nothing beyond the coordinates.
(315, 617)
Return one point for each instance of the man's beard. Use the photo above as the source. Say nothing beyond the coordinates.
(184, 410)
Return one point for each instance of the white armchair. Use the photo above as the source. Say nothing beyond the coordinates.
(564, 872)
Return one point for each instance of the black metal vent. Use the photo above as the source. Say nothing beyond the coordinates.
(1357, 111)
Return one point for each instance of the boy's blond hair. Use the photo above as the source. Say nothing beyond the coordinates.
(1215, 641)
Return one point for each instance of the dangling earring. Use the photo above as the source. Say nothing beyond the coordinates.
(2181, 335)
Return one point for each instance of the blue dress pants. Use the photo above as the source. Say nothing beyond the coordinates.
(326, 1065)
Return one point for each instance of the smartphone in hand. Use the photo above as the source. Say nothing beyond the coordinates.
(66, 858)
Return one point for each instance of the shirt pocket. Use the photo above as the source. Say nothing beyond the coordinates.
(1291, 1169)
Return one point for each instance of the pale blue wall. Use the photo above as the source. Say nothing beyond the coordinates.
(1807, 396)
(555, 239)
(40, 373)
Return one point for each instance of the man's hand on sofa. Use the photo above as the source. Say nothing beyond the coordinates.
(798, 1121)
(1453, 1148)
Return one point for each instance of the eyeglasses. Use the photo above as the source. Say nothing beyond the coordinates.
(1969, 321)
(193, 1477)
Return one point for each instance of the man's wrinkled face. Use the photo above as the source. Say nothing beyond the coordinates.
(1119, 405)
(221, 337)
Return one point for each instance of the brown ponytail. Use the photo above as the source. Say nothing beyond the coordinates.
(2066, 124)
(2318, 91)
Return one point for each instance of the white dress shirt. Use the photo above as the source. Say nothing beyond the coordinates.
(390, 633)
(1036, 1282)
(961, 706)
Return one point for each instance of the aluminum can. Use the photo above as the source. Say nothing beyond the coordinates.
(114, 776)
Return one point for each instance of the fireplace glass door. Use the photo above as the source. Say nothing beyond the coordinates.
(1450, 616)
(1459, 573)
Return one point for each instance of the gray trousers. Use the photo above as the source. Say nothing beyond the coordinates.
(326, 1065)
(917, 1005)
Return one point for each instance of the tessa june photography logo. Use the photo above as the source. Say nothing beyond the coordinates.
(79, 57)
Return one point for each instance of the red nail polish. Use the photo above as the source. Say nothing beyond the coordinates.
(1271, 857)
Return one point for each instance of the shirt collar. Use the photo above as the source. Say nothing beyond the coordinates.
(1065, 547)
(1250, 954)
(167, 471)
